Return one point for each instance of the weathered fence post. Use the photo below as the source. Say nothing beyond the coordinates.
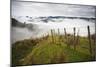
(58, 32)
(52, 36)
(89, 37)
(58, 35)
(65, 34)
(74, 29)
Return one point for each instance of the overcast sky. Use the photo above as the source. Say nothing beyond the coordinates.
(48, 9)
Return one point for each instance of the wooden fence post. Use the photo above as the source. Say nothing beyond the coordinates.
(74, 29)
(58, 35)
(52, 36)
(89, 37)
(58, 32)
(65, 34)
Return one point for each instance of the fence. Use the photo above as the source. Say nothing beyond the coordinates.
(70, 40)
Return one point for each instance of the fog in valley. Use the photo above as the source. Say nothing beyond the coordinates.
(40, 18)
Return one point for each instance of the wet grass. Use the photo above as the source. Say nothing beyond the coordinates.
(20, 49)
(43, 51)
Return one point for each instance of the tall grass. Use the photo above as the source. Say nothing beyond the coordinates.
(44, 51)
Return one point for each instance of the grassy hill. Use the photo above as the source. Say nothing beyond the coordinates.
(44, 51)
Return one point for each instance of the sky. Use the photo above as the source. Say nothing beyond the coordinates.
(50, 9)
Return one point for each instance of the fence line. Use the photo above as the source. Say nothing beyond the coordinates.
(75, 37)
